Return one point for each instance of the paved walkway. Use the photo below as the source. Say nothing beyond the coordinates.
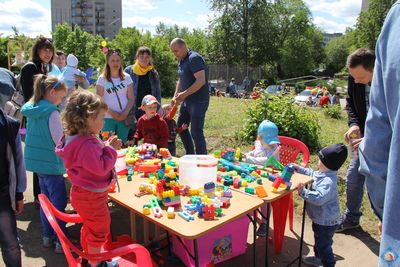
(358, 249)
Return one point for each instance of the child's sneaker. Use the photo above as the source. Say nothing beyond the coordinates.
(262, 230)
(58, 249)
(312, 260)
(47, 242)
(105, 264)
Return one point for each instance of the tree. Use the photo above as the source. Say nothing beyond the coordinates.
(78, 42)
(369, 22)
(3, 52)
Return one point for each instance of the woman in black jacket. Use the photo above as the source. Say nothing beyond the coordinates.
(42, 58)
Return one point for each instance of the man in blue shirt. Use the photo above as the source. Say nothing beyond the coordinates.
(192, 93)
(380, 149)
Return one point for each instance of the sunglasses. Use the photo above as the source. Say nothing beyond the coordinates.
(114, 52)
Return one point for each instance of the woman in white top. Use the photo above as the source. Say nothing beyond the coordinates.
(115, 86)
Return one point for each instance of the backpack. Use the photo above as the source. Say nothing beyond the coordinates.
(13, 107)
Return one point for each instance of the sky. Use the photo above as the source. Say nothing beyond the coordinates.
(34, 17)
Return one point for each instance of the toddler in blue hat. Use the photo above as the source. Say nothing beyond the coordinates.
(266, 145)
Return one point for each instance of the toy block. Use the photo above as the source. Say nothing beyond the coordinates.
(260, 191)
(249, 190)
(171, 212)
(186, 216)
(209, 212)
(259, 181)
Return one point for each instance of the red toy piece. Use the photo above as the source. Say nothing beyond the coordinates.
(209, 212)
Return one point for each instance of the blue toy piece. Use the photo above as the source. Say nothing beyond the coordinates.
(186, 216)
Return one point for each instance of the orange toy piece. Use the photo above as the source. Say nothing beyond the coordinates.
(172, 112)
(260, 191)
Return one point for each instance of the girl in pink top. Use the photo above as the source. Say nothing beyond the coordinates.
(90, 166)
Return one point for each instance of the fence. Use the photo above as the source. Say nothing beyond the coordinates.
(221, 74)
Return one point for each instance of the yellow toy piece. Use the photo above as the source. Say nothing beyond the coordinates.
(171, 212)
(146, 211)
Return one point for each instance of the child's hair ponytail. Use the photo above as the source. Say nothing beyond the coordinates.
(43, 84)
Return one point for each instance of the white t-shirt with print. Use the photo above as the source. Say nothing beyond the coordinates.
(120, 87)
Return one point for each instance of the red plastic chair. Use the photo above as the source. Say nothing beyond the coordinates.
(124, 250)
(289, 150)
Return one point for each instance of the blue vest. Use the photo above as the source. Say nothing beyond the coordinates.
(39, 155)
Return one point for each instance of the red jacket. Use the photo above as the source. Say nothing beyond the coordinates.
(153, 131)
(324, 100)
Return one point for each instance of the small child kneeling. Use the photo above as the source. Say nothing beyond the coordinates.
(323, 203)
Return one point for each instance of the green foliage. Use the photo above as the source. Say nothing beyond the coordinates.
(336, 51)
(333, 111)
(278, 35)
(369, 22)
(3, 52)
(292, 121)
(80, 43)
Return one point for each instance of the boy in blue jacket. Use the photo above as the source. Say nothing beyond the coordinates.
(323, 203)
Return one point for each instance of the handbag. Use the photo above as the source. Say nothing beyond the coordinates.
(130, 120)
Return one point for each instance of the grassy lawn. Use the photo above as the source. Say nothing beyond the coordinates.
(225, 117)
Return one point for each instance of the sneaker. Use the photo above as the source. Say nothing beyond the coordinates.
(58, 249)
(105, 264)
(262, 230)
(47, 242)
(347, 225)
(312, 260)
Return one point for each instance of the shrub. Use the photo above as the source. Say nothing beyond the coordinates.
(292, 121)
(333, 111)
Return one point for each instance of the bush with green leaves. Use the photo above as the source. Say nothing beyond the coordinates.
(292, 121)
(333, 111)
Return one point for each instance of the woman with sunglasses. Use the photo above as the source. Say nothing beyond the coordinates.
(115, 87)
(145, 78)
(41, 63)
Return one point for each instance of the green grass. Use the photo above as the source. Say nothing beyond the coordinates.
(225, 117)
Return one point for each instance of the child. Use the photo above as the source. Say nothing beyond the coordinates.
(266, 145)
(151, 127)
(71, 70)
(12, 185)
(323, 202)
(167, 112)
(90, 166)
(44, 129)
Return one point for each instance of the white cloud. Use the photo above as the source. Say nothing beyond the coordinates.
(330, 26)
(334, 15)
(149, 23)
(29, 17)
(179, 1)
(188, 12)
(137, 6)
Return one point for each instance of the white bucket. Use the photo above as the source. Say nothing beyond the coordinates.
(196, 170)
(120, 164)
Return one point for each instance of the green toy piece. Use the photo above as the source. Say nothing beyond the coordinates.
(272, 161)
(259, 181)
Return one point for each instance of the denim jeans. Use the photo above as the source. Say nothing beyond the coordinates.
(9, 244)
(354, 192)
(323, 238)
(53, 187)
(193, 113)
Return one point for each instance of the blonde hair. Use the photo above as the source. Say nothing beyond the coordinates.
(43, 84)
(163, 110)
(81, 106)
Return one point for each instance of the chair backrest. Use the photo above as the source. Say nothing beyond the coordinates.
(290, 149)
(122, 248)
(52, 214)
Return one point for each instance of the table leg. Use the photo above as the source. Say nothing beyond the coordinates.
(254, 236)
(196, 253)
(133, 225)
(168, 243)
(302, 232)
(267, 236)
(146, 239)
